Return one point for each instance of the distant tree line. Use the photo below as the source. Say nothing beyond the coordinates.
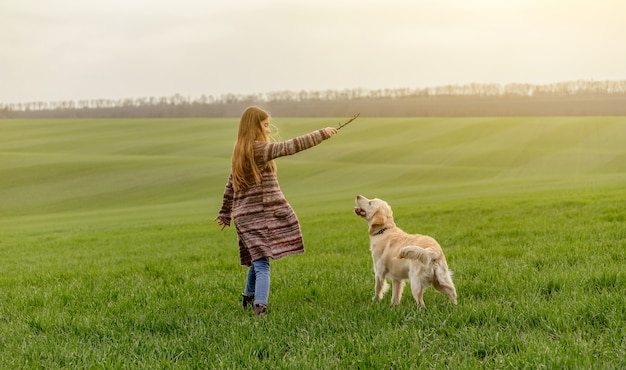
(566, 98)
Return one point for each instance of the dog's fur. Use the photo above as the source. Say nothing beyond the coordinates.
(401, 256)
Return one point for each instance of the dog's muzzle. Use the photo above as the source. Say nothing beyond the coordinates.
(359, 211)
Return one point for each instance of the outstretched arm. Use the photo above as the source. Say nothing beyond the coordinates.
(269, 151)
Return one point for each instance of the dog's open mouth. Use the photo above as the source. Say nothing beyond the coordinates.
(359, 211)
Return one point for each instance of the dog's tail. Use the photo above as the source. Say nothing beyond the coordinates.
(417, 253)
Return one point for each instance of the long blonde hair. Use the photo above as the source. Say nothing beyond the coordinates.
(244, 169)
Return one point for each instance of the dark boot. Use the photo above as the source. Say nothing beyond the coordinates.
(260, 310)
(248, 300)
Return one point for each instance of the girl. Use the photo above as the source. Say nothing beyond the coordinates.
(266, 225)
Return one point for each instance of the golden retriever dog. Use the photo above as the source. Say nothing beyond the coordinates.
(400, 256)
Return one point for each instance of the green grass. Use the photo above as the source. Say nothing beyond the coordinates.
(110, 258)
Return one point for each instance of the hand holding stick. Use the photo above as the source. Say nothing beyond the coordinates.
(348, 121)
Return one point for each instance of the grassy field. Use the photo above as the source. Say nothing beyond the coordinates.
(110, 258)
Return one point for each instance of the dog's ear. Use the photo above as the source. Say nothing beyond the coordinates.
(378, 222)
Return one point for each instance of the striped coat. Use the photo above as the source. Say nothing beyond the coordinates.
(266, 224)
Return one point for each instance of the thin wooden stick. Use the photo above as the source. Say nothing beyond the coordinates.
(348, 121)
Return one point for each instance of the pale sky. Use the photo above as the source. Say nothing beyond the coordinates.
(88, 49)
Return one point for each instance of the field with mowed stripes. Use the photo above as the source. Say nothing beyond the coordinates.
(110, 257)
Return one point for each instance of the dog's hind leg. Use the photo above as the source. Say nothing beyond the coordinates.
(396, 293)
(443, 283)
(380, 288)
(418, 289)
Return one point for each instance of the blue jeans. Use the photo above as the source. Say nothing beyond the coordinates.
(258, 282)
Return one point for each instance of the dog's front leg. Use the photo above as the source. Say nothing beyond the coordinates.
(380, 288)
